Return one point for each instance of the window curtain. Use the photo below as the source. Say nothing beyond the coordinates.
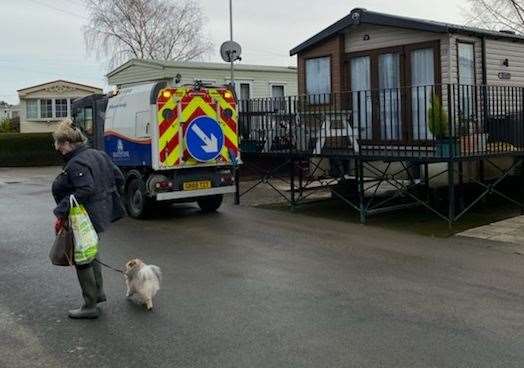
(361, 95)
(32, 109)
(389, 84)
(466, 64)
(318, 79)
(466, 79)
(422, 82)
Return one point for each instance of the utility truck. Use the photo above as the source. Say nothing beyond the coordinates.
(173, 144)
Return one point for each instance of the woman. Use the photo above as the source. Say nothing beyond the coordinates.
(92, 177)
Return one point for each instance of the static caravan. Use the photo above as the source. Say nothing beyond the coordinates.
(252, 81)
(400, 104)
(384, 72)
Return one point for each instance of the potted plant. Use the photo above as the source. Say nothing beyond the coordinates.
(438, 126)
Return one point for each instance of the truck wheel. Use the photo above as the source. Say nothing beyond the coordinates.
(211, 203)
(137, 203)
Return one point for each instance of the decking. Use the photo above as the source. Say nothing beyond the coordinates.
(367, 134)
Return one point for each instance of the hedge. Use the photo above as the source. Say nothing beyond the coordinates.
(27, 149)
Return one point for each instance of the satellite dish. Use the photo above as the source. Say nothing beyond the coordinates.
(230, 51)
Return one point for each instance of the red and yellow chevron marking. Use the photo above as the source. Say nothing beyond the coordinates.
(178, 107)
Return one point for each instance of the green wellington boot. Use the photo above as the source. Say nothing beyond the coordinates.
(100, 295)
(88, 310)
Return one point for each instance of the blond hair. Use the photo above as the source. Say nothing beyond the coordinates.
(68, 132)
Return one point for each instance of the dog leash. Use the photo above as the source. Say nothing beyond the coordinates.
(110, 267)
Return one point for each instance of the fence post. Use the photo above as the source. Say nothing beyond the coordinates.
(451, 132)
(291, 151)
(521, 140)
(361, 198)
(237, 184)
(451, 163)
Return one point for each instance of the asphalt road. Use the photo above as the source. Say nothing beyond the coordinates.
(257, 288)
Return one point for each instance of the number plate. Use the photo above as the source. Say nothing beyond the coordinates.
(196, 185)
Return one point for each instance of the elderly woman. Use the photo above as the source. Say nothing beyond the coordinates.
(92, 177)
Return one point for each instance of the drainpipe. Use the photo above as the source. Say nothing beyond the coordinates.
(484, 71)
(484, 87)
(450, 50)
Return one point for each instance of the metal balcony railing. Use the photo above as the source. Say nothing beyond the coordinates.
(435, 122)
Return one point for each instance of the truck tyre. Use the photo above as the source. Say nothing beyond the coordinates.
(210, 203)
(137, 203)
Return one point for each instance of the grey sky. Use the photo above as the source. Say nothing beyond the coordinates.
(42, 39)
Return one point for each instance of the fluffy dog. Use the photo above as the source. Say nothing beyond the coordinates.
(143, 281)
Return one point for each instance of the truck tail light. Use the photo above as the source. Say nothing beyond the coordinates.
(164, 184)
(226, 178)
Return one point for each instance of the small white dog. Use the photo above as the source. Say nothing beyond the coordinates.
(143, 281)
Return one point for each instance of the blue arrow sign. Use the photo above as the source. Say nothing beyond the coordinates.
(204, 138)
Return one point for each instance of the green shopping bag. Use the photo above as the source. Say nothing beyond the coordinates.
(84, 234)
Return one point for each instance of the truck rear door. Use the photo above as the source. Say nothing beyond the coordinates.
(196, 127)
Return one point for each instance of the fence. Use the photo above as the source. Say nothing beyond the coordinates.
(437, 122)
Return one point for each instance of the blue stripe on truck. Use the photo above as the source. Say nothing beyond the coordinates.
(126, 151)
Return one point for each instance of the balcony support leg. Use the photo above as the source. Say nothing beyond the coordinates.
(427, 187)
(451, 193)
(361, 198)
(292, 182)
(461, 185)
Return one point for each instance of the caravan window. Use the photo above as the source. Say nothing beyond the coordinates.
(32, 109)
(245, 92)
(46, 108)
(466, 79)
(277, 90)
(61, 108)
(466, 63)
(318, 78)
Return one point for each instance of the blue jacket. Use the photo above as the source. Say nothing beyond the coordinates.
(94, 179)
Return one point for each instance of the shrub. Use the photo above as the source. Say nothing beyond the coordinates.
(437, 118)
(6, 126)
(27, 149)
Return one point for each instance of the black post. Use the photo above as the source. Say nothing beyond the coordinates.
(240, 132)
(521, 158)
(426, 181)
(461, 184)
(482, 172)
(482, 175)
(451, 124)
(521, 182)
(237, 185)
(292, 181)
(521, 130)
(451, 162)
(300, 177)
(363, 212)
(451, 192)
(291, 152)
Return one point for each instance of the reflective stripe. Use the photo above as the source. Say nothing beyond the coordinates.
(194, 193)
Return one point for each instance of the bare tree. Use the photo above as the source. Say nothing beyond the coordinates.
(497, 14)
(146, 29)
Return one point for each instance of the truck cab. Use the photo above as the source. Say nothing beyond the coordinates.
(173, 144)
(88, 113)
